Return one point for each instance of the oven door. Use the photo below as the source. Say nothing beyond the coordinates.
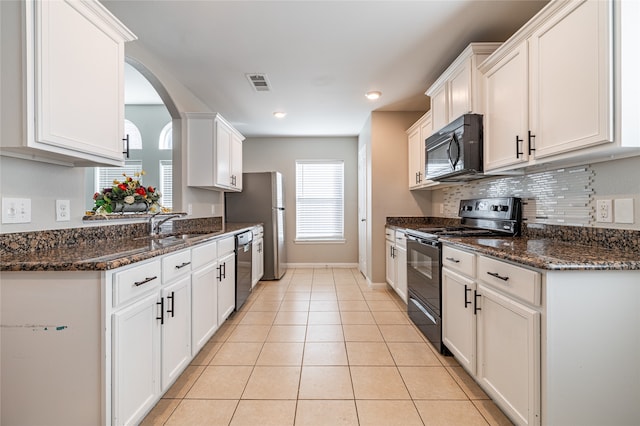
(423, 271)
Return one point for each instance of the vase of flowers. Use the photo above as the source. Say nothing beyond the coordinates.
(127, 196)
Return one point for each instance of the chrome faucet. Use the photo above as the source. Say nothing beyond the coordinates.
(154, 227)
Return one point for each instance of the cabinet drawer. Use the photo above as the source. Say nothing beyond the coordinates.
(135, 281)
(389, 234)
(175, 265)
(204, 254)
(458, 260)
(514, 280)
(225, 246)
(401, 239)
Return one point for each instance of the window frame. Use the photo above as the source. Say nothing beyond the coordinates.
(336, 233)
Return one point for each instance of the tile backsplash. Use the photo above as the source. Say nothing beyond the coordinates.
(555, 197)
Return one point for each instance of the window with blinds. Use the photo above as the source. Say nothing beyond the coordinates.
(166, 183)
(319, 200)
(106, 175)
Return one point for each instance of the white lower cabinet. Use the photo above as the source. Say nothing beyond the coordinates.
(396, 261)
(509, 355)
(204, 295)
(459, 320)
(226, 278)
(491, 324)
(176, 330)
(257, 255)
(136, 360)
(401, 265)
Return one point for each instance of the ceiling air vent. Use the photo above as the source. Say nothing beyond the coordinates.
(259, 82)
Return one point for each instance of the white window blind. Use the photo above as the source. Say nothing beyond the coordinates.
(166, 183)
(106, 175)
(320, 200)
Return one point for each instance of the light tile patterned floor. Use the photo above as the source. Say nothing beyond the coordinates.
(319, 347)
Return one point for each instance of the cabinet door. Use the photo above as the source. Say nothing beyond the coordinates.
(416, 165)
(509, 355)
(571, 82)
(439, 108)
(458, 319)
(261, 259)
(460, 91)
(391, 263)
(226, 287)
(204, 306)
(223, 155)
(136, 360)
(506, 111)
(76, 54)
(236, 162)
(401, 273)
(257, 261)
(200, 151)
(176, 330)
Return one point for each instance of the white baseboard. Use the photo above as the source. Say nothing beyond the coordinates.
(322, 265)
(377, 286)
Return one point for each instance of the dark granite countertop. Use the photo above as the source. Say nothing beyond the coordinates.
(549, 254)
(92, 255)
(548, 247)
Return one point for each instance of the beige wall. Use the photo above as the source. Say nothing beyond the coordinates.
(280, 154)
(388, 175)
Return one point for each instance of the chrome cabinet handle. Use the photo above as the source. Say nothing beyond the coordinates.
(146, 280)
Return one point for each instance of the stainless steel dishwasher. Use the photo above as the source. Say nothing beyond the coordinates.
(244, 242)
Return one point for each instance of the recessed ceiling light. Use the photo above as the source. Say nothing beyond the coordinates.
(373, 95)
(279, 114)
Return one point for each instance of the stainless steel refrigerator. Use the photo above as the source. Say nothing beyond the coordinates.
(262, 200)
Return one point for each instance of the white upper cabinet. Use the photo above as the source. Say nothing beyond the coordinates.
(214, 152)
(459, 89)
(557, 87)
(506, 111)
(63, 82)
(570, 80)
(417, 134)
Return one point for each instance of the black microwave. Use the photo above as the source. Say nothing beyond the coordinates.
(454, 153)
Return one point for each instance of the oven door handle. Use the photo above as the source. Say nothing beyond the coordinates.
(424, 311)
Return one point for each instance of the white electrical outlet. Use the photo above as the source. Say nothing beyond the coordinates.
(63, 210)
(604, 211)
(213, 209)
(189, 209)
(623, 210)
(16, 210)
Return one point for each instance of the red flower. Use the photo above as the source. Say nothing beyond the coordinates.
(141, 191)
(150, 190)
(96, 195)
(123, 186)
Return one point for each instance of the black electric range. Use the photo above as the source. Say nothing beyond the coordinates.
(479, 217)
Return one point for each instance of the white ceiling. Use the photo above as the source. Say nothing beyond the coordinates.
(320, 56)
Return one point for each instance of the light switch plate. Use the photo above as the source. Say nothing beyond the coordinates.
(16, 210)
(623, 210)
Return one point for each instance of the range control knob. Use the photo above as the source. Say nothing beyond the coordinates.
(494, 208)
(504, 208)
